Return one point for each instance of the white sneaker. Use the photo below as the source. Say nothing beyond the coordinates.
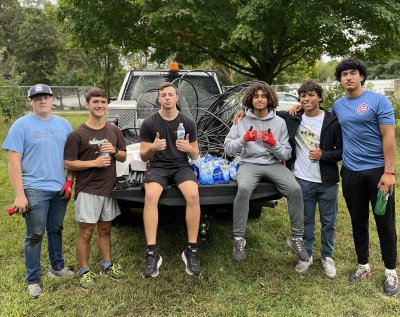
(303, 266)
(34, 290)
(65, 272)
(329, 267)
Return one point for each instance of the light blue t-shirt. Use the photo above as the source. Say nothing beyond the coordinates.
(360, 119)
(41, 143)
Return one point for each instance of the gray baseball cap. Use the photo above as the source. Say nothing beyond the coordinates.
(39, 89)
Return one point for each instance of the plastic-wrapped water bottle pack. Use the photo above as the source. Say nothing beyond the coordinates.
(214, 170)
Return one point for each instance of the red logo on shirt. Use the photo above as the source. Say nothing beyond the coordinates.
(363, 108)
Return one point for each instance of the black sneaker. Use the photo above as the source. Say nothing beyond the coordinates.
(153, 263)
(189, 256)
(298, 248)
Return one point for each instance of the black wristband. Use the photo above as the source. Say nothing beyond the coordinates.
(114, 155)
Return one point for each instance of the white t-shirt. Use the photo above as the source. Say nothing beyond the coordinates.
(307, 137)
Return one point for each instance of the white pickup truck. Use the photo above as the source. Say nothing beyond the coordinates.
(202, 98)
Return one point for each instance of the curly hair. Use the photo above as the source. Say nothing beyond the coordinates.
(309, 86)
(251, 91)
(351, 63)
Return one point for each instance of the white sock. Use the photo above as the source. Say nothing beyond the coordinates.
(366, 266)
(238, 238)
(392, 272)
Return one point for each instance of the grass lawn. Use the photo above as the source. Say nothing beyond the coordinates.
(265, 284)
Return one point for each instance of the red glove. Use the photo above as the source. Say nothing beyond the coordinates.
(11, 211)
(268, 138)
(250, 135)
(66, 190)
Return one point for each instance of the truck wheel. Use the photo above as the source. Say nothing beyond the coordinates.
(123, 218)
(255, 210)
(124, 206)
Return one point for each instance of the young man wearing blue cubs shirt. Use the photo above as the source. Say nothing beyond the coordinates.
(369, 148)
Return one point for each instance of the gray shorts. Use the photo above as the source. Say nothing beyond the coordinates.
(92, 208)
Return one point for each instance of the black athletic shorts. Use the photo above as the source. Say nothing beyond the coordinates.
(167, 176)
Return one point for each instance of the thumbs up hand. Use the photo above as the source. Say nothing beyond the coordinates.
(315, 153)
(268, 138)
(250, 135)
(159, 144)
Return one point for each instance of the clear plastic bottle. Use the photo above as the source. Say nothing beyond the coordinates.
(180, 132)
(314, 167)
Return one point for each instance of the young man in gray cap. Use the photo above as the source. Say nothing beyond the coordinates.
(35, 149)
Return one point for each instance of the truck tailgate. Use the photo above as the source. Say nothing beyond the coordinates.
(217, 194)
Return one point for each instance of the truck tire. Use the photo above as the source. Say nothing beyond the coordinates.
(123, 218)
(124, 206)
(255, 210)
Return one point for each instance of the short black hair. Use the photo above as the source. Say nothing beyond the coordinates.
(311, 85)
(351, 63)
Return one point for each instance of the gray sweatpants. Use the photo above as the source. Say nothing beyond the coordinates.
(248, 177)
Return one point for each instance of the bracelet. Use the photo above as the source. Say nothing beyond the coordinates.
(390, 173)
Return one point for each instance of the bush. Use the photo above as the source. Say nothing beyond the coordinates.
(331, 94)
(12, 99)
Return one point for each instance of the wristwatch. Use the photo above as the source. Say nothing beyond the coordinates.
(114, 155)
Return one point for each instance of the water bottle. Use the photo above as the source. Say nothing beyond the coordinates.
(314, 167)
(181, 132)
(314, 164)
(381, 202)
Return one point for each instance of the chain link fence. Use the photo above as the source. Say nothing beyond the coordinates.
(66, 98)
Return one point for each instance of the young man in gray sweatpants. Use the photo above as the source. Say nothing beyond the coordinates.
(262, 139)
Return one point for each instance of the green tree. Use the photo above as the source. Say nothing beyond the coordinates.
(12, 100)
(256, 38)
(88, 35)
(30, 41)
(11, 16)
(324, 72)
(384, 69)
(37, 46)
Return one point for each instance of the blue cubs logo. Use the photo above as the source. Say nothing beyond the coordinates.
(363, 108)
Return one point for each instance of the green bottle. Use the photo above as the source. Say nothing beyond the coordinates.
(381, 202)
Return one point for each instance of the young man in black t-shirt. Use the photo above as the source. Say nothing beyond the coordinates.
(168, 158)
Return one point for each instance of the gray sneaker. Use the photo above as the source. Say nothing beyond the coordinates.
(238, 249)
(34, 290)
(303, 266)
(298, 248)
(392, 287)
(65, 272)
(360, 274)
(329, 266)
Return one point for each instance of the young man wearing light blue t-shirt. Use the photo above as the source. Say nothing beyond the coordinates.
(369, 148)
(35, 149)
